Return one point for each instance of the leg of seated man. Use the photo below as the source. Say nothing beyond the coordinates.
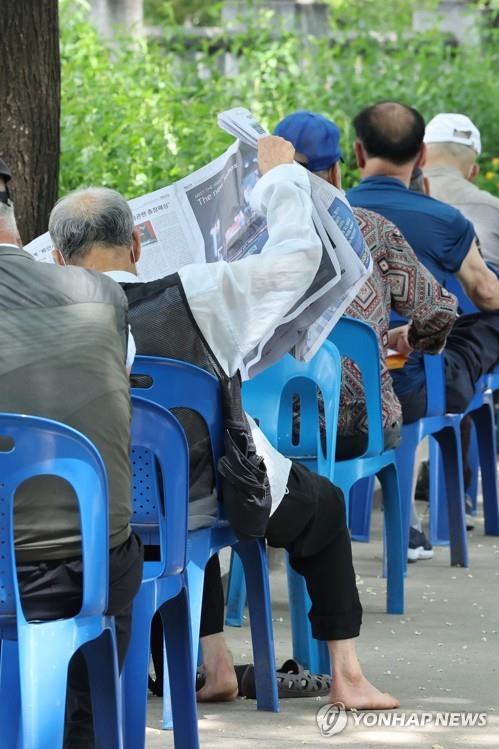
(310, 523)
(218, 666)
(52, 590)
(472, 350)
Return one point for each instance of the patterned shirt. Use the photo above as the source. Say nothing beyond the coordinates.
(399, 282)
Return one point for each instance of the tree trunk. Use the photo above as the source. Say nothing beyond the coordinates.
(30, 113)
(112, 15)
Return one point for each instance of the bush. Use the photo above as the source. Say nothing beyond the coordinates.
(139, 116)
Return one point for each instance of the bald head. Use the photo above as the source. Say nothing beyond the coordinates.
(94, 218)
(390, 131)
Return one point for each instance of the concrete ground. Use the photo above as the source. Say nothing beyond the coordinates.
(442, 655)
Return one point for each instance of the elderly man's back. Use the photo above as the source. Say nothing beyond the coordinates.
(63, 343)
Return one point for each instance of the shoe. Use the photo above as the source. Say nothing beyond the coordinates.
(419, 546)
(468, 509)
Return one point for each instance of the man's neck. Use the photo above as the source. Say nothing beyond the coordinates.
(455, 166)
(105, 259)
(382, 168)
(7, 237)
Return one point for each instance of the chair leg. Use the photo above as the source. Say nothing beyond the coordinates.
(135, 672)
(236, 593)
(406, 458)
(175, 615)
(395, 550)
(254, 559)
(439, 517)
(10, 704)
(310, 653)
(485, 430)
(102, 666)
(449, 440)
(43, 689)
(361, 504)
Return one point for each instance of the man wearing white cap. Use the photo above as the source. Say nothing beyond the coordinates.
(452, 147)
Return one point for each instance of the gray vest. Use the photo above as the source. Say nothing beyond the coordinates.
(162, 325)
(63, 338)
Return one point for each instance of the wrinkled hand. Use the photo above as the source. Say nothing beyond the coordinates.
(398, 340)
(273, 151)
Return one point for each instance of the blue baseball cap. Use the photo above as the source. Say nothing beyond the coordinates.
(314, 136)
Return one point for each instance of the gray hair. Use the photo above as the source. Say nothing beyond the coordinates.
(90, 216)
(7, 218)
(464, 155)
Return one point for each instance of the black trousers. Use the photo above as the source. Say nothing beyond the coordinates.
(52, 590)
(310, 523)
(472, 350)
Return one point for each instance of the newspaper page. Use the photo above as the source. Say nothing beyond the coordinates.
(335, 217)
(207, 217)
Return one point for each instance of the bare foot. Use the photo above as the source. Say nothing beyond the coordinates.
(221, 681)
(218, 687)
(358, 693)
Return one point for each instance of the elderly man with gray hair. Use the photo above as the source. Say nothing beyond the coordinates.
(63, 339)
(453, 145)
(213, 315)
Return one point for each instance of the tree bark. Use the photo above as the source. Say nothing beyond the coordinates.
(30, 114)
(118, 15)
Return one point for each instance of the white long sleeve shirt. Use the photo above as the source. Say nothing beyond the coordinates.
(237, 304)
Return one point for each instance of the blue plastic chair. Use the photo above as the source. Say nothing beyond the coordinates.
(175, 384)
(269, 398)
(35, 656)
(358, 341)
(163, 586)
(445, 428)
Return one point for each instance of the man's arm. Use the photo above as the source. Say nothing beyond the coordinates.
(237, 304)
(416, 295)
(480, 284)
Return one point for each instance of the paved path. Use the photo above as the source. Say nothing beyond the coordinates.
(442, 655)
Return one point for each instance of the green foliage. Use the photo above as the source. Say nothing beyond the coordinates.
(137, 117)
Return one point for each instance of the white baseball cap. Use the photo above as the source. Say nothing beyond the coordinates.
(449, 127)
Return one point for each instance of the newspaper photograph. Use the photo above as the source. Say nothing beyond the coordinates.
(207, 217)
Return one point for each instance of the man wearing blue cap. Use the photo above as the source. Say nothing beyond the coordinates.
(399, 281)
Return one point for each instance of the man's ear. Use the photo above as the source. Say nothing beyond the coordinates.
(360, 154)
(136, 246)
(335, 175)
(58, 258)
(420, 161)
(473, 173)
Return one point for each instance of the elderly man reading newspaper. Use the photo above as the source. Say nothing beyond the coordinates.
(212, 315)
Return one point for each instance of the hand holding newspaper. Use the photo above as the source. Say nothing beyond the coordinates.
(206, 217)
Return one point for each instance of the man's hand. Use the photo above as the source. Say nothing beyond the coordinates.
(398, 340)
(272, 151)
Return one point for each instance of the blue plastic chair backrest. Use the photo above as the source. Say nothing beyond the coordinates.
(358, 341)
(30, 447)
(177, 384)
(268, 398)
(158, 431)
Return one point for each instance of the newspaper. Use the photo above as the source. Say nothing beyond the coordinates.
(206, 217)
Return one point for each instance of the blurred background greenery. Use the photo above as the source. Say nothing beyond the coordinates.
(139, 114)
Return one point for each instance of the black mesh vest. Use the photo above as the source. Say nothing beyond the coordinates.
(162, 325)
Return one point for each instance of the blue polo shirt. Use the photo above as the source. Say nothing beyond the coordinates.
(438, 233)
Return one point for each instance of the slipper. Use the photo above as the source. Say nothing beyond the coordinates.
(292, 681)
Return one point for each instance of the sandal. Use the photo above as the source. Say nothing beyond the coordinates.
(292, 681)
